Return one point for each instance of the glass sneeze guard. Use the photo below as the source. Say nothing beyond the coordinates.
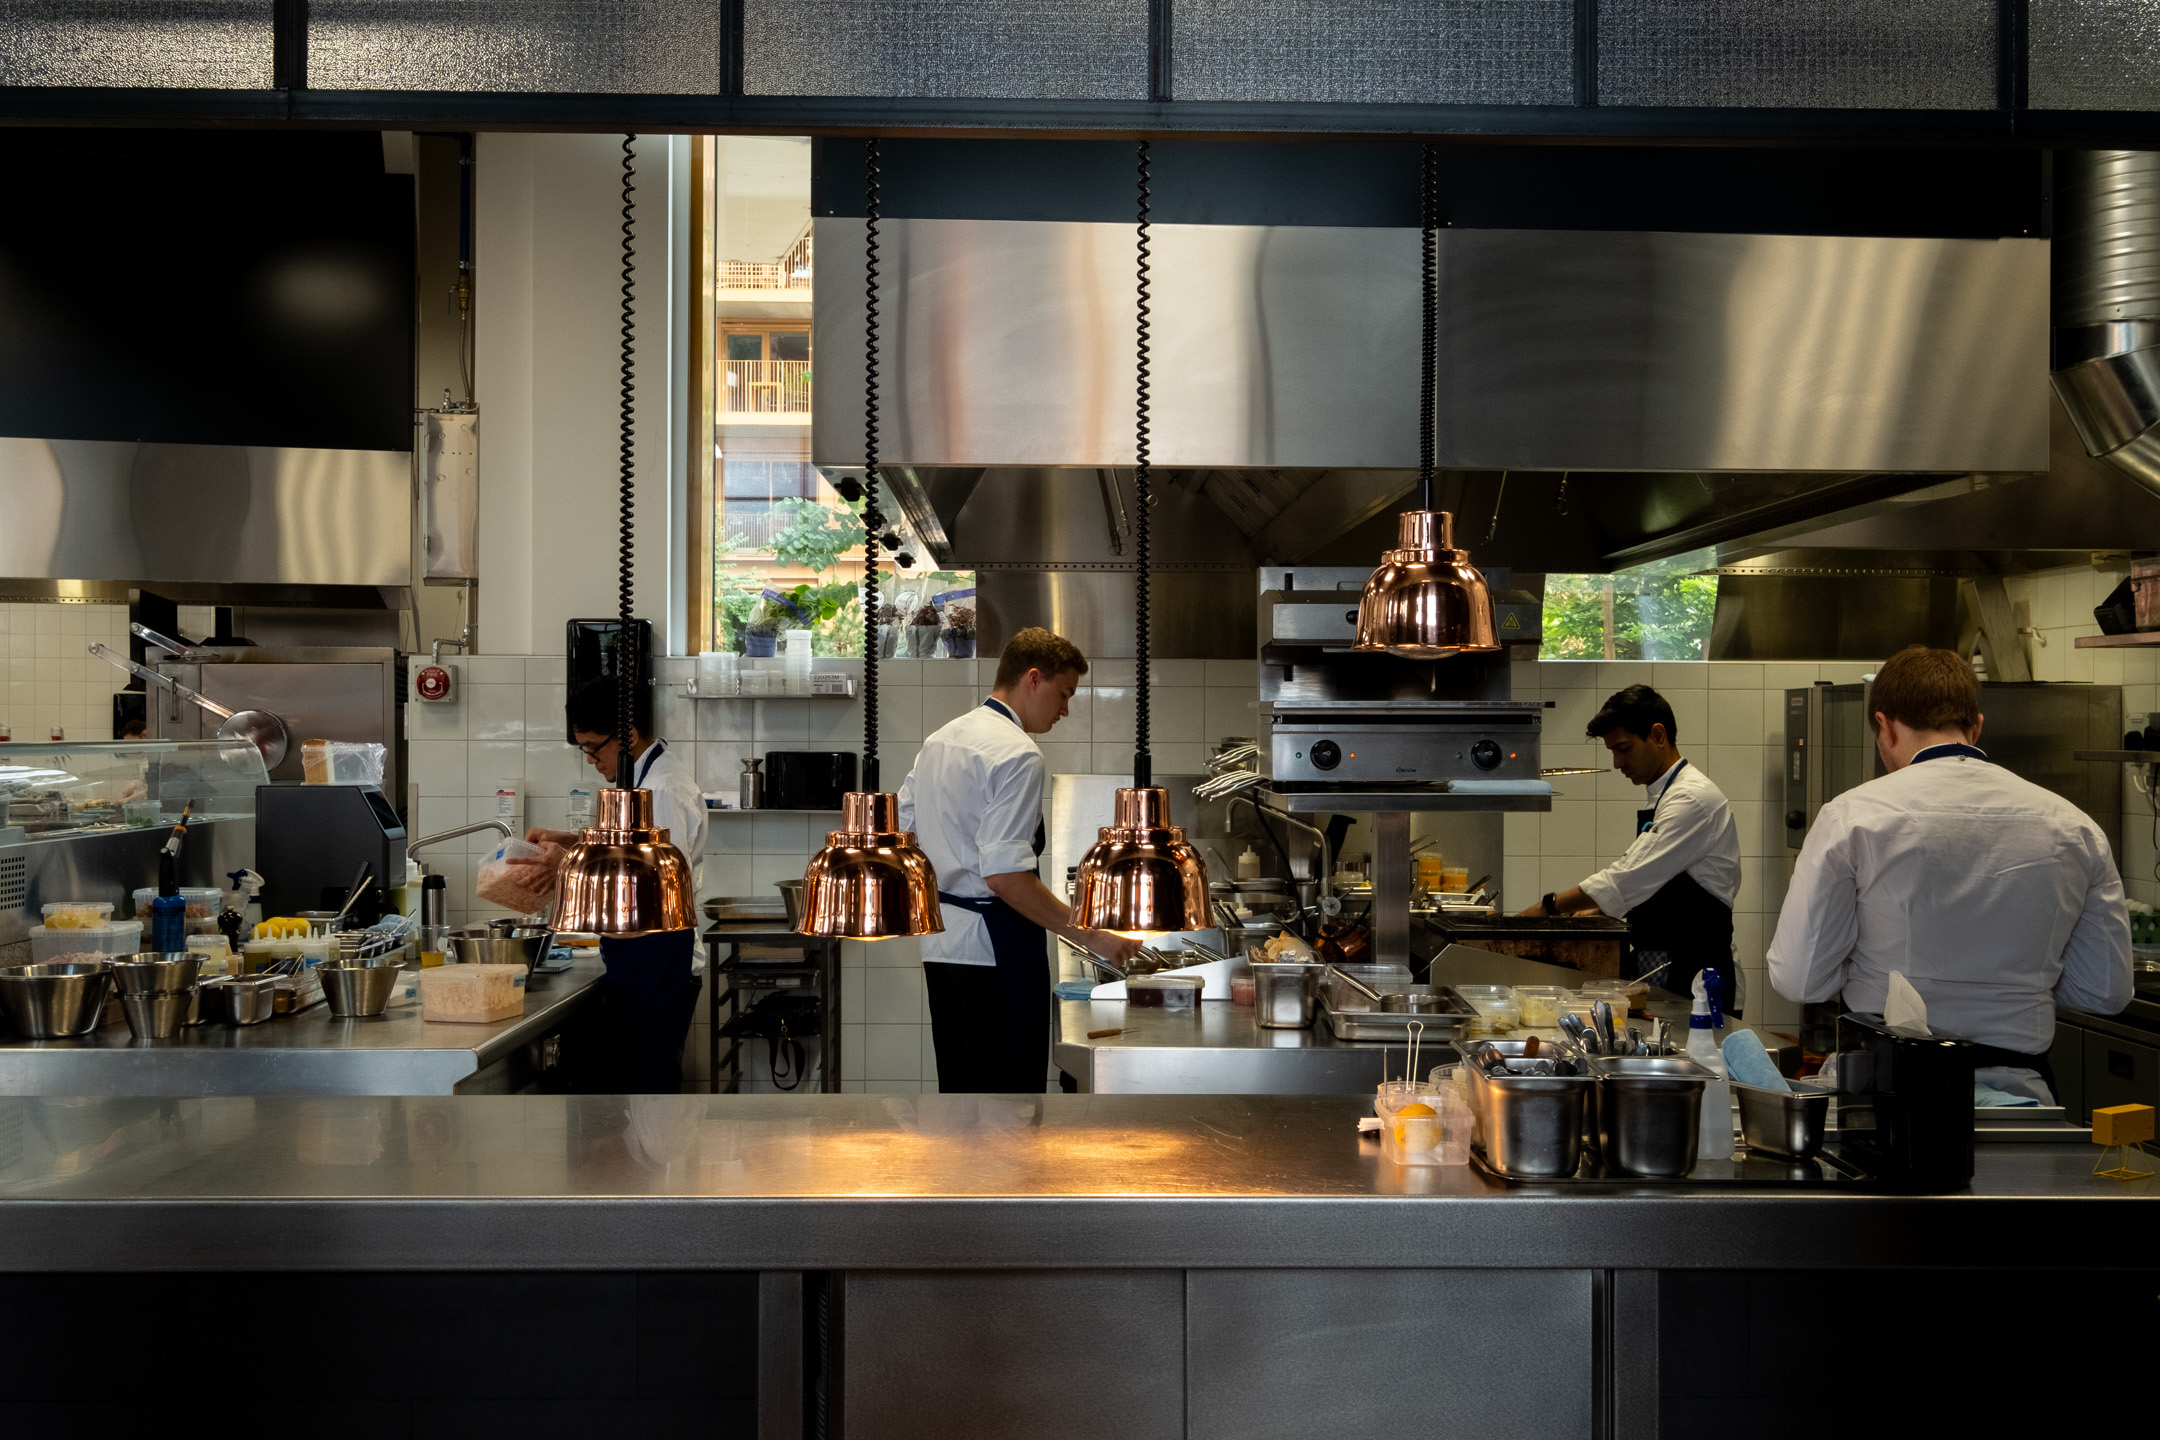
(62, 790)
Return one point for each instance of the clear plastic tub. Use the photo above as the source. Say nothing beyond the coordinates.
(77, 914)
(1542, 1005)
(1498, 1011)
(202, 906)
(1169, 992)
(1618, 993)
(116, 937)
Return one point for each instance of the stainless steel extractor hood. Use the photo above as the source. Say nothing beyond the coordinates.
(2107, 304)
(1644, 393)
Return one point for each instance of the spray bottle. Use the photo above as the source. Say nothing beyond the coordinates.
(1716, 1137)
(233, 919)
(168, 912)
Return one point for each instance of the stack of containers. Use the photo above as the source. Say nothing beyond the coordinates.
(82, 928)
(797, 668)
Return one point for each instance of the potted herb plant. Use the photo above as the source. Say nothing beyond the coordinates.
(761, 636)
(922, 635)
(960, 632)
(888, 630)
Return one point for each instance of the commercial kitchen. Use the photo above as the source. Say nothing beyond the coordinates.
(1115, 719)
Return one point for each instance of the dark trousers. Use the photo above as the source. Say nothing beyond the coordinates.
(641, 1015)
(991, 1024)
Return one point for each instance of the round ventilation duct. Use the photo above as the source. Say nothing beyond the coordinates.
(2107, 304)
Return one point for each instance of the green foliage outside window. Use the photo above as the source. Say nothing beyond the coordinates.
(1660, 611)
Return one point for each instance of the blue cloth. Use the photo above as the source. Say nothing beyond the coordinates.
(1748, 1063)
(1987, 1097)
(1074, 989)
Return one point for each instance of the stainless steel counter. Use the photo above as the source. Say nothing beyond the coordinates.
(310, 1053)
(843, 1181)
(1224, 1051)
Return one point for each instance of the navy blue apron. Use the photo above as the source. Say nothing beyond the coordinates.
(990, 1024)
(645, 1004)
(1683, 924)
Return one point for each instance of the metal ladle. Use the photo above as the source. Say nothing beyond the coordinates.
(265, 731)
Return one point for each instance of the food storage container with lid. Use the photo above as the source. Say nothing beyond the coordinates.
(115, 937)
(77, 914)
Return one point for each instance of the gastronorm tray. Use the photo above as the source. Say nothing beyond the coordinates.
(1387, 1027)
(1749, 1171)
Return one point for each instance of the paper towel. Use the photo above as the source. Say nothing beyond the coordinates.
(1903, 1009)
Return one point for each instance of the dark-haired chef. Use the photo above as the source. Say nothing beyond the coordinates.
(1676, 884)
(1995, 899)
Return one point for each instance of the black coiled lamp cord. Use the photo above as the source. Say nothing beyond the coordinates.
(873, 520)
(626, 655)
(1429, 221)
(1143, 763)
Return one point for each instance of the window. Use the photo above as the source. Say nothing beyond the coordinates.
(1659, 611)
(785, 549)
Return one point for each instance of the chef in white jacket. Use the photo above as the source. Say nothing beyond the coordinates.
(974, 801)
(678, 804)
(1996, 899)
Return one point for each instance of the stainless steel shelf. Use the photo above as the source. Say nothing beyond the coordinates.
(1339, 802)
(2123, 757)
(2113, 642)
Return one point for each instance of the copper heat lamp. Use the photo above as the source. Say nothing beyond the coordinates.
(624, 876)
(1141, 877)
(871, 881)
(1426, 601)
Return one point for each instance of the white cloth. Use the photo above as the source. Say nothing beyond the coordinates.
(974, 801)
(678, 804)
(1693, 834)
(1997, 899)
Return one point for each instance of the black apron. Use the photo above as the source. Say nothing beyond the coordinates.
(1683, 924)
(990, 1024)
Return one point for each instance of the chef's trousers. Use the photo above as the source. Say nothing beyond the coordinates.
(990, 1024)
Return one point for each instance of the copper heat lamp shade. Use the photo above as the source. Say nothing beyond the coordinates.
(870, 882)
(624, 876)
(1140, 877)
(1426, 601)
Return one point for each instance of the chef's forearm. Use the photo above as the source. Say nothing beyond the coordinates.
(1026, 893)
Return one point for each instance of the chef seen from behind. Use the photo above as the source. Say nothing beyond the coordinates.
(1996, 899)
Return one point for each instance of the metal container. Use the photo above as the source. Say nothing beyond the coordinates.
(251, 1000)
(750, 786)
(321, 922)
(159, 1014)
(1649, 1112)
(49, 1001)
(1529, 1126)
(1285, 995)
(1783, 1122)
(153, 974)
(1415, 1000)
(791, 895)
(525, 945)
(358, 988)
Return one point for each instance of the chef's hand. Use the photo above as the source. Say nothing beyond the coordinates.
(1109, 945)
(540, 872)
(560, 838)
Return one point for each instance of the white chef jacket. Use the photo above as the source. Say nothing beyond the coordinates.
(1693, 834)
(678, 804)
(974, 801)
(1997, 899)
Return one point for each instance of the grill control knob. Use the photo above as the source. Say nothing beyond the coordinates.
(1326, 754)
(1485, 754)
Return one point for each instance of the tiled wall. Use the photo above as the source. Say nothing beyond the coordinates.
(52, 679)
(508, 723)
(1731, 720)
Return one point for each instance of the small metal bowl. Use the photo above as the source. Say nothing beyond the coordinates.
(525, 945)
(156, 974)
(1413, 1000)
(250, 1000)
(55, 999)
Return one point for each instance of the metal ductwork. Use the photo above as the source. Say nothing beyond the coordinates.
(2107, 304)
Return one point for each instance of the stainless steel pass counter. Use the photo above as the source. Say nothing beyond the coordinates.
(309, 1053)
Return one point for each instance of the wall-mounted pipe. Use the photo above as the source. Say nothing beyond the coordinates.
(2107, 304)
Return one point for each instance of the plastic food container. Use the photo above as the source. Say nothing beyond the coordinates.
(1542, 1005)
(1498, 1011)
(202, 906)
(115, 937)
(1620, 994)
(77, 914)
(1241, 989)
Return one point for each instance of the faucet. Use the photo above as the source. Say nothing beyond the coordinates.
(412, 851)
(1329, 905)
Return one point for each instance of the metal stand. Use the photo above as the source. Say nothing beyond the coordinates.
(730, 976)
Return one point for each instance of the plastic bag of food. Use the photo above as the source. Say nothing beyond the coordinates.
(502, 883)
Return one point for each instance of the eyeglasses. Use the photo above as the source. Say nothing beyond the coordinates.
(592, 752)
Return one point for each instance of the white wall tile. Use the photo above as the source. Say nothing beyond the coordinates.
(1231, 710)
(1238, 674)
(495, 712)
(494, 669)
(1519, 834)
(719, 767)
(891, 1052)
(1736, 718)
(1066, 759)
(783, 723)
(892, 996)
(900, 712)
(436, 766)
(943, 704)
